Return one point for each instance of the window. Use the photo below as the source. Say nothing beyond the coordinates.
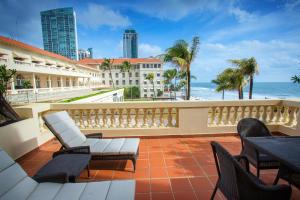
(145, 90)
(145, 82)
(158, 74)
(19, 80)
(117, 82)
(123, 82)
(147, 65)
(157, 82)
(110, 82)
(136, 82)
(144, 66)
(145, 75)
(130, 74)
(73, 82)
(123, 75)
(103, 75)
(158, 65)
(151, 95)
(67, 82)
(117, 75)
(155, 65)
(145, 95)
(130, 82)
(103, 82)
(151, 90)
(58, 82)
(37, 82)
(136, 74)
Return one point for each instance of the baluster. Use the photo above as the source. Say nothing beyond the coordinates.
(242, 112)
(235, 114)
(226, 118)
(257, 114)
(97, 123)
(271, 114)
(153, 124)
(88, 118)
(144, 117)
(128, 121)
(177, 117)
(104, 119)
(136, 118)
(264, 114)
(278, 114)
(291, 116)
(81, 123)
(212, 116)
(112, 117)
(121, 118)
(169, 117)
(161, 117)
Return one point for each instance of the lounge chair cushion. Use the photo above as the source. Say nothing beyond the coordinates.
(63, 126)
(119, 146)
(16, 184)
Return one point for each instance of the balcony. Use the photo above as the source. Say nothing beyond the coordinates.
(175, 160)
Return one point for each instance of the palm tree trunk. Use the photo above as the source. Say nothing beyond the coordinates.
(153, 89)
(251, 87)
(188, 83)
(223, 91)
(242, 93)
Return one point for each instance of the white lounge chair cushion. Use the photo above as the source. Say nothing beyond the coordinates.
(70, 135)
(119, 146)
(15, 184)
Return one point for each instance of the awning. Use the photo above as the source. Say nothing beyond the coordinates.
(35, 59)
(20, 56)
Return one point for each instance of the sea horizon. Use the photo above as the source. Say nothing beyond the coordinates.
(261, 90)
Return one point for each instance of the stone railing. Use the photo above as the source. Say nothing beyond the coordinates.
(179, 118)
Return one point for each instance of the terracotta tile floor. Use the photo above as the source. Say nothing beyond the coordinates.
(167, 168)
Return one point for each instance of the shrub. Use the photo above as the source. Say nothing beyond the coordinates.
(134, 90)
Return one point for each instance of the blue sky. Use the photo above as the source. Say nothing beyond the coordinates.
(269, 30)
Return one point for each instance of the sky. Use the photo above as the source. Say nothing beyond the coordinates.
(268, 30)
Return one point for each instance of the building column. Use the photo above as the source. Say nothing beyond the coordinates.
(61, 82)
(12, 85)
(71, 82)
(33, 83)
(83, 79)
(89, 82)
(49, 82)
(77, 82)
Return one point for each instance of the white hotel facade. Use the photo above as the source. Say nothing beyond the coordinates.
(53, 76)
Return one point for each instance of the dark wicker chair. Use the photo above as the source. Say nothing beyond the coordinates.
(251, 127)
(290, 176)
(237, 183)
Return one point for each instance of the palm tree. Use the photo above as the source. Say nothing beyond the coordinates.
(230, 79)
(249, 68)
(295, 79)
(169, 76)
(150, 77)
(127, 67)
(107, 64)
(182, 55)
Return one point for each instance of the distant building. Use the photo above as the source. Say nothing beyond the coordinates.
(82, 53)
(130, 44)
(59, 32)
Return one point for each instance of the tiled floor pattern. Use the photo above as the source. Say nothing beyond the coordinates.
(167, 168)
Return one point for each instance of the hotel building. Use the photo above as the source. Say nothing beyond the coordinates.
(59, 32)
(136, 77)
(53, 76)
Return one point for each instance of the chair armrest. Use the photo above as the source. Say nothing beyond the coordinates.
(94, 135)
(55, 178)
(73, 150)
(243, 160)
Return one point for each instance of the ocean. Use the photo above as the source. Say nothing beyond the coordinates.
(261, 90)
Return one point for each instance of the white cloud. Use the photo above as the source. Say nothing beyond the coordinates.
(147, 50)
(242, 15)
(97, 15)
(278, 60)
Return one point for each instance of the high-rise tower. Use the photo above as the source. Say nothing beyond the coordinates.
(59, 32)
(130, 44)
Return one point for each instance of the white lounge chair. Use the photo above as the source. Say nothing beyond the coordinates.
(69, 135)
(15, 184)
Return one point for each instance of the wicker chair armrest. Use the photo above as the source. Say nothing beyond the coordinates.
(243, 160)
(55, 178)
(95, 135)
(275, 191)
(73, 150)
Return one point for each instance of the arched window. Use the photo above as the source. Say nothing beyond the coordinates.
(19, 81)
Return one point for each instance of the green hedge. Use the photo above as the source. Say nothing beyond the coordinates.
(135, 92)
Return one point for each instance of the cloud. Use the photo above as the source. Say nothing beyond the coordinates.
(278, 60)
(97, 15)
(292, 4)
(242, 15)
(147, 50)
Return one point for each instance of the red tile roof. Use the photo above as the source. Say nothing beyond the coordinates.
(28, 47)
(90, 61)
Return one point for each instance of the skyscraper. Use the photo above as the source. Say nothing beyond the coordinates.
(82, 53)
(59, 32)
(130, 44)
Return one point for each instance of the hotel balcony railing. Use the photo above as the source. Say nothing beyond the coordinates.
(178, 118)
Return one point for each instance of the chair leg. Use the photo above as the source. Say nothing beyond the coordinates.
(276, 179)
(88, 170)
(133, 163)
(214, 192)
